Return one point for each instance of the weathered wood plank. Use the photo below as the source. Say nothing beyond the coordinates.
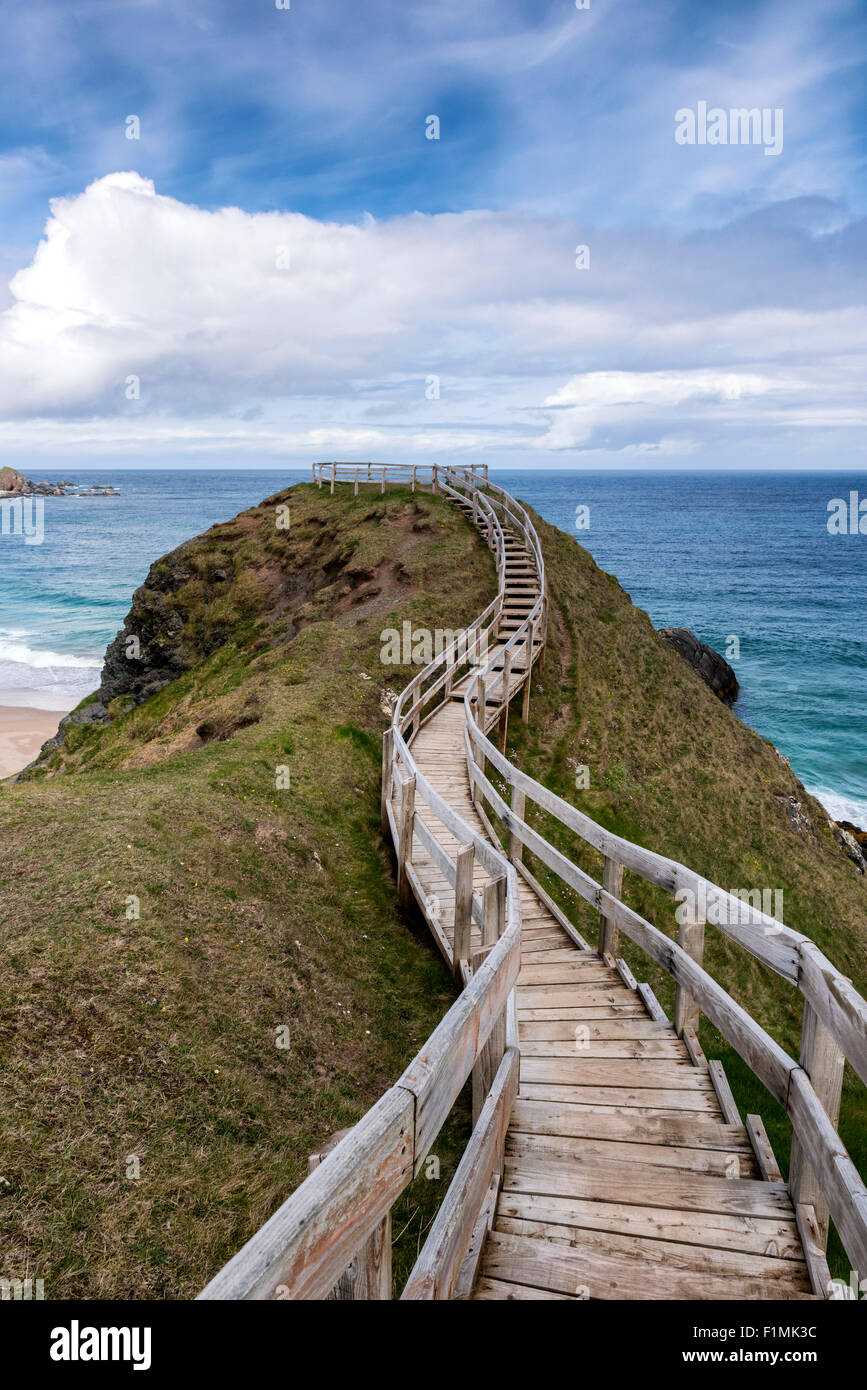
(723, 1092)
(693, 1046)
(304, 1247)
(823, 1061)
(651, 1003)
(612, 882)
(622, 1097)
(646, 1186)
(563, 953)
(463, 905)
(785, 1275)
(469, 1270)
(838, 1004)
(578, 1071)
(544, 1264)
(761, 1144)
(692, 1131)
(661, 1049)
(813, 1243)
(838, 1178)
(404, 844)
(598, 1030)
(563, 973)
(557, 1013)
(499, 1290)
(436, 1270)
(732, 1163)
(368, 1275)
(436, 1075)
(686, 1009)
(538, 996)
(776, 1236)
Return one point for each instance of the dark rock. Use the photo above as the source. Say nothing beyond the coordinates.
(853, 841)
(713, 668)
(857, 834)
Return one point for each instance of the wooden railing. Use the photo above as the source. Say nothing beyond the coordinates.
(342, 1208)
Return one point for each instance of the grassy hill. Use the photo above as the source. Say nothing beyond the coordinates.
(259, 908)
(154, 1037)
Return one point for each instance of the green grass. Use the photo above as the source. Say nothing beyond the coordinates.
(263, 908)
(156, 1036)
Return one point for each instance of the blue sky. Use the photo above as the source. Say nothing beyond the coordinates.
(283, 267)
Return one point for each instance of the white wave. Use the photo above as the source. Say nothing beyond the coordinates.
(850, 808)
(23, 655)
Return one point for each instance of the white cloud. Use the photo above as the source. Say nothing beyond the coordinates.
(665, 345)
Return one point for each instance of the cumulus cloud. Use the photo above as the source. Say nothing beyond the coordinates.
(276, 332)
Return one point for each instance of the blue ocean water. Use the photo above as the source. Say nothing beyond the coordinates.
(744, 555)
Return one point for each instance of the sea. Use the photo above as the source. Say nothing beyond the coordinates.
(745, 559)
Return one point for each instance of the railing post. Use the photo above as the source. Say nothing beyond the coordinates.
(382, 488)
(481, 702)
(476, 510)
(333, 474)
(368, 1274)
(612, 882)
(504, 714)
(387, 755)
(823, 1062)
(414, 471)
(686, 1010)
(491, 1055)
(463, 907)
(356, 482)
(516, 848)
(404, 846)
(528, 673)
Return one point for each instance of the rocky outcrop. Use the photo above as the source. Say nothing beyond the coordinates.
(152, 649)
(713, 668)
(853, 841)
(857, 834)
(14, 484)
(794, 809)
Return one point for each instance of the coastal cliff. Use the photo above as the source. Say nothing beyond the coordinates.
(198, 864)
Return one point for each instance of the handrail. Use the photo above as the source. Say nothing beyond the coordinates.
(304, 1247)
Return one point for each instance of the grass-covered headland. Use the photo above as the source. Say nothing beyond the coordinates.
(203, 971)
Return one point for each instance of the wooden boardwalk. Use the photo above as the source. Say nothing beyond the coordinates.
(607, 1158)
(626, 1174)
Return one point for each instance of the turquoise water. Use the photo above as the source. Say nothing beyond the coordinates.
(746, 555)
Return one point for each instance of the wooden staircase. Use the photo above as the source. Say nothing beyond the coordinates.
(624, 1176)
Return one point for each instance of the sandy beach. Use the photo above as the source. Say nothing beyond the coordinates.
(22, 733)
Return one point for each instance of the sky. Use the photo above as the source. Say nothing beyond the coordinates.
(233, 234)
